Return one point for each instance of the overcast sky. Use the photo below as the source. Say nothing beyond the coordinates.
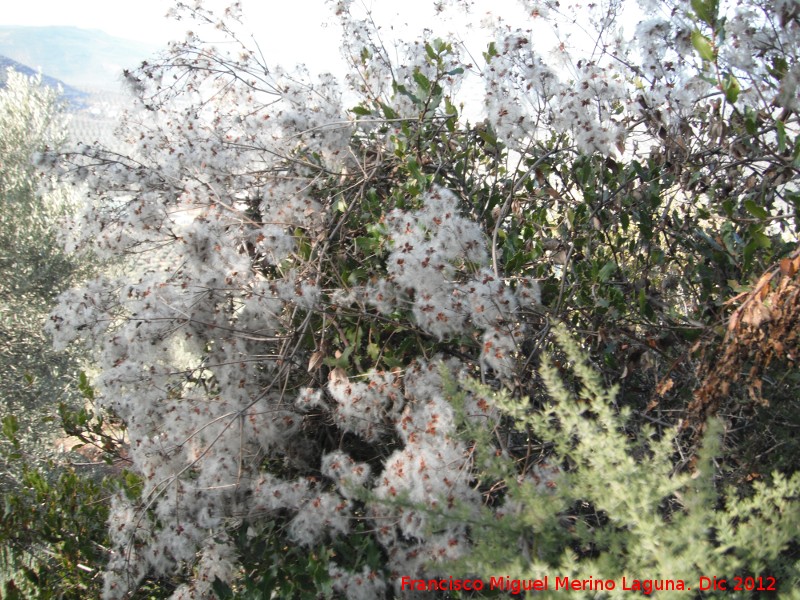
(291, 31)
(277, 25)
(142, 20)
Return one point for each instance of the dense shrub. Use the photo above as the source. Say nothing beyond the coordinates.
(311, 286)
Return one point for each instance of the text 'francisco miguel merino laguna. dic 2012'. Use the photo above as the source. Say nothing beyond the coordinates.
(515, 586)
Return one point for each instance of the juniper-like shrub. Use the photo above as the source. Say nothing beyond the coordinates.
(611, 502)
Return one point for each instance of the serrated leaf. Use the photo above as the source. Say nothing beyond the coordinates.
(703, 45)
(365, 243)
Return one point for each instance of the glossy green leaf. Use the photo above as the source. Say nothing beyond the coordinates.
(703, 46)
(730, 85)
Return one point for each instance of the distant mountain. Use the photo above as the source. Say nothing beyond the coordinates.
(76, 98)
(87, 59)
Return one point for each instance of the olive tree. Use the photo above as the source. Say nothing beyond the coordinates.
(35, 268)
(52, 518)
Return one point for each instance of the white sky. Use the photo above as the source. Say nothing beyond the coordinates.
(288, 31)
(276, 24)
(142, 20)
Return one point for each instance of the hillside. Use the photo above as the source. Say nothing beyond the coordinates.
(74, 97)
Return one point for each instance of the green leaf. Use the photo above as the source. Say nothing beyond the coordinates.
(430, 51)
(796, 152)
(85, 387)
(449, 108)
(607, 270)
(456, 71)
(401, 89)
(490, 53)
(703, 45)
(357, 276)
(367, 244)
(10, 428)
(762, 240)
(361, 111)
(706, 10)
(488, 137)
(222, 590)
(422, 81)
(730, 85)
(781, 135)
(373, 351)
(750, 121)
(388, 112)
(755, 210)
(303, 244)
(779, 68)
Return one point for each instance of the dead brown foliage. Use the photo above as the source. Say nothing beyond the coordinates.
(763, 329)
